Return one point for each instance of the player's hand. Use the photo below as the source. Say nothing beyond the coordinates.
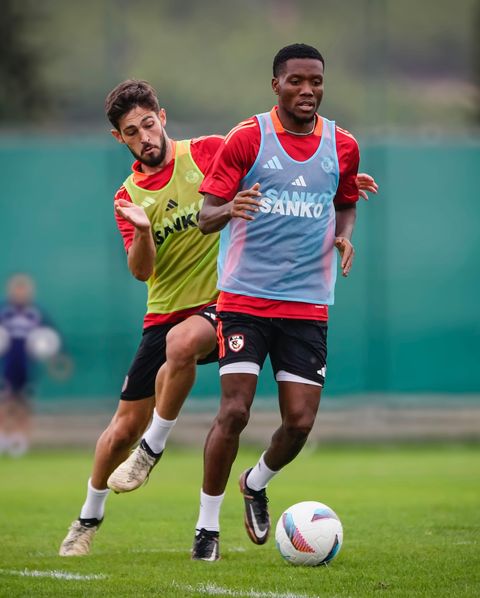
(246, 203)
(365, 183)
(133, 214)
(347, 253)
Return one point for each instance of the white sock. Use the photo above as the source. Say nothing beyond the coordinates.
(94, 506)
(209, 516)
(260, 475)
(157, 434)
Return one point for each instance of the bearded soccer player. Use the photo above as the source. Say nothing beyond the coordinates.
(156, 212)
(296, 174)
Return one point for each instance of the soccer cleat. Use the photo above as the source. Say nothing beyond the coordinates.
(133, 472)
(257, 519)
(79, 538)
(206, 546)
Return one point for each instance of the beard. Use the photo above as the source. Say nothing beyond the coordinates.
(302, 119)
(154, 159)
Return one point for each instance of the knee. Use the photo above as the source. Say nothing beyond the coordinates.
(181, 346)
(233, 417)
(123, 433)
(299, 428)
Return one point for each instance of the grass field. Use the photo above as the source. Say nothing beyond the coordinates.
(410, 516)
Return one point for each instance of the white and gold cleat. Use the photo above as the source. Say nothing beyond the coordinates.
(134, 471)
(79, 539)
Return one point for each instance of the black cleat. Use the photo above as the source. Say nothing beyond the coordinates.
(257, 519)
(206, 546)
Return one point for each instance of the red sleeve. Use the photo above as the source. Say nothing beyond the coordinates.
(127, 230)
(204, 149)
(233, 160)
(348, 161)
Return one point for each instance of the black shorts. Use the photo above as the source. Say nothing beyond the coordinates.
(298, 347)
(151, 355)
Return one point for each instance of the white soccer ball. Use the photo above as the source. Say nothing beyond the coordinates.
(309, 533)
(43, 343)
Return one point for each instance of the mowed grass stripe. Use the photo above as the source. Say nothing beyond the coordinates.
(410, 516)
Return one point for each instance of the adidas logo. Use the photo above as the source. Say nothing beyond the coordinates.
(299, 182)
(171, 204)
(273, 164)
(147, 202)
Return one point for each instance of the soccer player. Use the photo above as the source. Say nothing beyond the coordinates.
(156, 211)
(282, 191)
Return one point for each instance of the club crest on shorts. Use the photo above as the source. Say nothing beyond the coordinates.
(236, 342)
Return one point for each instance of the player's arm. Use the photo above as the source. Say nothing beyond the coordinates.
(216, 212)
(232, 161)
(345, 221)
(347, 196)
(141, 253)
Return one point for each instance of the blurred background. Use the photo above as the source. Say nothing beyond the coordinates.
(403, 77)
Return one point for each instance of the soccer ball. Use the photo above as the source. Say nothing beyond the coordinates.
(43, 343)
(309, 533)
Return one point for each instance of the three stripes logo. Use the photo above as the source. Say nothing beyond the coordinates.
(147, 202)
(299, 182)
(273, 164)
(171, 204)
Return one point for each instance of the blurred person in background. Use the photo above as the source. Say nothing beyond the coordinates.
(27, 337)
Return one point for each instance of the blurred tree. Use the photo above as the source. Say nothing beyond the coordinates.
(211, 61)
(22, 93)
(476, 62)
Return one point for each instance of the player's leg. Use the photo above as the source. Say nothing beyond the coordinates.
(189, 342)
(243, 346)
(220, 451)
(3, 422)
(21, 423)
(298, 405)
(13, 405)
(6, 419)
(113, 446)
(299, 352)
(126, 427)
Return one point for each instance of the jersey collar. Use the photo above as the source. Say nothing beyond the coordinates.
(279, 127)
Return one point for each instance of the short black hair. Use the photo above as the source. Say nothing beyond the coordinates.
(126, 96)
(295, 51)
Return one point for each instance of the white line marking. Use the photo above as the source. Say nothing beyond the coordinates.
(211, 589)
(460, 543)
(51, 574)
(176, 550)
(143, 551)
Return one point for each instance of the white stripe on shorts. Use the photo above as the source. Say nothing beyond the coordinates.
(283, 376)
(241, 367)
